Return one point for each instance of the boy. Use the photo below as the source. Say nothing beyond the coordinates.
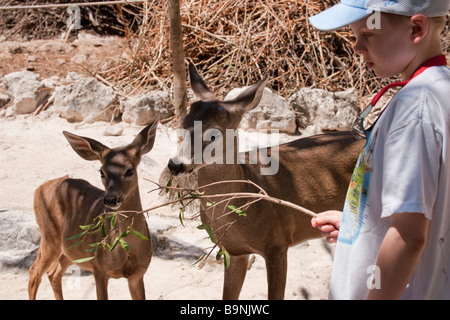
(393, 238)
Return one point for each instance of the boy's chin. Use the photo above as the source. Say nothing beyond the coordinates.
(383, 74)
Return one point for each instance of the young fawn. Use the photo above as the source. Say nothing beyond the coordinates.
(63, 204)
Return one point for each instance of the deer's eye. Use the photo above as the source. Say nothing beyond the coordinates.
(221, 112)
(129, 172)
(102, 174)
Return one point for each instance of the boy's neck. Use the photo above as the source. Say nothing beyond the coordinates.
(428, 53)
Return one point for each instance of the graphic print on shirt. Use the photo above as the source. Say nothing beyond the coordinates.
(357, 194)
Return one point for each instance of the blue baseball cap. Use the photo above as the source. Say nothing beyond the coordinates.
(349, 11)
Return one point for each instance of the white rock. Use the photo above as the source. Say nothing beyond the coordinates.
(324, 110)
(26, 89)
(142, 109)
(272, 112)
(19, 239)
(4, 99)
(85, 97)
(113, 130)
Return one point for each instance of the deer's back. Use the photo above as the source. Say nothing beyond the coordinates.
(314, 173)
(64, 202)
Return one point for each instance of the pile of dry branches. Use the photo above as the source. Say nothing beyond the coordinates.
(48, 23)
(237, 42)
(232, 43)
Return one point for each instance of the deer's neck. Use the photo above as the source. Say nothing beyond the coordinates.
(132, 202)
(219, 172)
(131, 208)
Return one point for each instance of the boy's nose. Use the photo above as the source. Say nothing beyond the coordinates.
(359, 47)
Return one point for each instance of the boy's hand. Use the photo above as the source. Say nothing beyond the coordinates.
(328, 223)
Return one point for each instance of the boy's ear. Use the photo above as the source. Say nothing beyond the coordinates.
(419, 28)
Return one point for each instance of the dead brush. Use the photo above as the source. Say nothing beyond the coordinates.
(239, 41)
(230, 41)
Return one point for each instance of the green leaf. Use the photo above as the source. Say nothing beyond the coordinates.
(106, 245)
(181, 215)
(113, 221)
(85, 227)
(111, 215)
(96, 226)
(238, 211)
(75, 245)
(139, 235)
(113, 246)
(208, 228)
(95, 231)
(95, 244)
(196, 195)
(124, 245)
(209, 204)
(226, 258)
(200, 259)
(219, 255)
(125, 233)
(77, 235)
(98, 223)
(168, 185)
(83, 260)
(103, 230)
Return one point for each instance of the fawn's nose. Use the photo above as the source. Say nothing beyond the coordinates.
(112, 201)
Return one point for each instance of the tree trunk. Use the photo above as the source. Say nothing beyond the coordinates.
(178, 65)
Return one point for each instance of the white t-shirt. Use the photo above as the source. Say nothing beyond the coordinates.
(404, 167)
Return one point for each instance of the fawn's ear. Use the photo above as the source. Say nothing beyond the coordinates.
(146, 138)
(87, 148)
(199, 86)
(248, 99)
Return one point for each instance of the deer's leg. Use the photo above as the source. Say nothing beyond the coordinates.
(45, 258)
(101, 285)
(276, 265)
(234, 277)
(56, 273)
(136, 286)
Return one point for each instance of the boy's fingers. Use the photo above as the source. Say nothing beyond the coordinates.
(327, 228)
(330, 237)
(329, 217)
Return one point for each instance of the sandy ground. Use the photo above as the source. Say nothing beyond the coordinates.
(33, 150)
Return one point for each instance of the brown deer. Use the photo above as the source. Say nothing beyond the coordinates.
(312, 172)
(63, 204)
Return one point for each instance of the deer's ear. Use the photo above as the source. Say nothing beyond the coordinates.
(87, 148)
(146, 138)
(199, 86)
(250, 98)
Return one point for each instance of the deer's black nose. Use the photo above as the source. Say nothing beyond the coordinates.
(174, 168)
(111, 201)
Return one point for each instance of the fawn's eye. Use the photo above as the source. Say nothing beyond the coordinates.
(129, 172)
(102, 174)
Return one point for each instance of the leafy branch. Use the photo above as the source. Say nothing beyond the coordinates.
(185, 196)
(99, 225)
